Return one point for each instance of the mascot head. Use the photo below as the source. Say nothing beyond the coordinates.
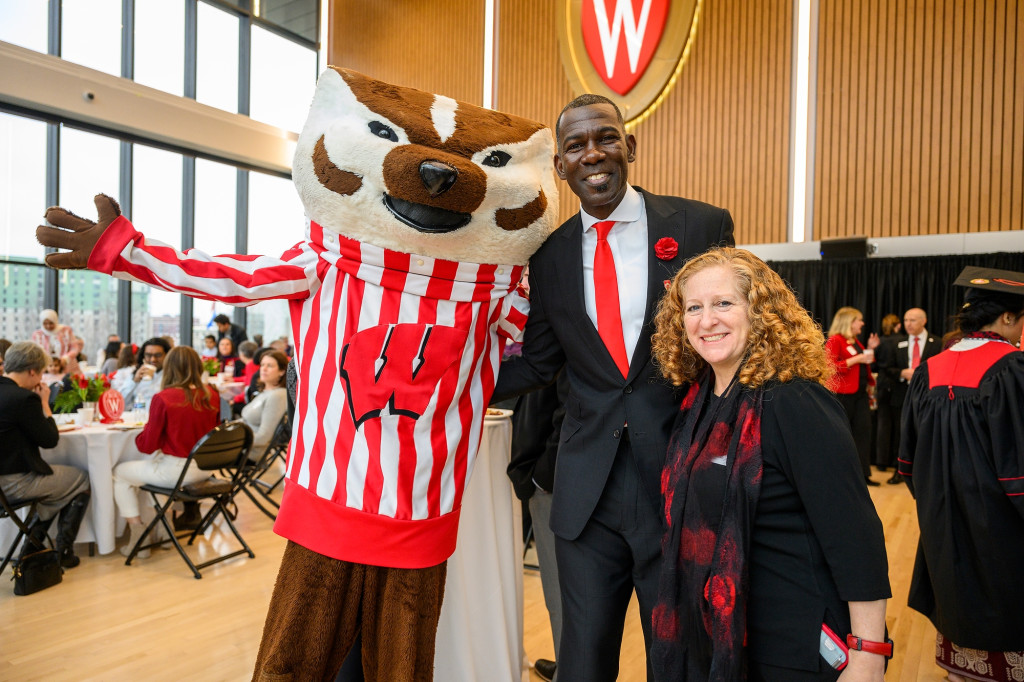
(419, 173)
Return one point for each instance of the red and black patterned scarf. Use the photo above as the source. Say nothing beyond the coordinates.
(699, 622)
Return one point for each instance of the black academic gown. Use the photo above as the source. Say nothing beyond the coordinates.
(962, 453)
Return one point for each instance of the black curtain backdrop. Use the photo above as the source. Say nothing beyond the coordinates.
(878, 286)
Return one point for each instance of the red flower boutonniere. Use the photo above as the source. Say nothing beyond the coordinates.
(666, 248)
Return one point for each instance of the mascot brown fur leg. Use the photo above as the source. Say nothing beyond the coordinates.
(320, 603)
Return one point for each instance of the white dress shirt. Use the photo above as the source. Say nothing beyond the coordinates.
(628, 242)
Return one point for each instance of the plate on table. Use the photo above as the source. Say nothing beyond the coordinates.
(67, 427)
(495, 413)
(126, 426)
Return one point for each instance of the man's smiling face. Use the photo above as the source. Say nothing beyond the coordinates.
(594, 153)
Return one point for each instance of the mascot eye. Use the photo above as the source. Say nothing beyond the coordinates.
(383, 131)
(497, 159)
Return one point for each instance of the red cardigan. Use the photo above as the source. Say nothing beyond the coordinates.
(846, 379)
(174, 426)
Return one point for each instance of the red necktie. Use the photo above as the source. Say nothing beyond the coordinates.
(606, 298)
(915, 354)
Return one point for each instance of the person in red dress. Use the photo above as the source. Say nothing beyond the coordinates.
(182, 412)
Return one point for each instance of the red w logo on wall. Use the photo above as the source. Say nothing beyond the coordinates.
(398, 367)
(621, 37)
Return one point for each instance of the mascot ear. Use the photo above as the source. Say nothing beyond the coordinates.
(74, 233)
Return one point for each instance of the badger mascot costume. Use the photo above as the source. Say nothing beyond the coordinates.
(422, 212)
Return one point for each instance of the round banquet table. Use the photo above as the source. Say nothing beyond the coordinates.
(96, 449)
(480, 634)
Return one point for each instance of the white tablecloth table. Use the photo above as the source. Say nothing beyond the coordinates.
(480, 634)
(96, 449)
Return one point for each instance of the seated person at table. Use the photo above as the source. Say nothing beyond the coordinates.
(125, 366)
(110, 354)
(182, 412)
(228, 357)
(140, 385)
(26, 424)
(246, 355)
(270, 404)
(56, 370)
(209, 349)
(4, 345)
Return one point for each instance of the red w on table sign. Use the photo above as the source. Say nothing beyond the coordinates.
(630, 51)
(621, 37)
(111, 406)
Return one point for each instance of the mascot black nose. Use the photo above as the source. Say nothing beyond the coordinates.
(437, 177)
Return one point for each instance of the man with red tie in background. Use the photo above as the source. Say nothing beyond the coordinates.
(897, 358)
(595, 287)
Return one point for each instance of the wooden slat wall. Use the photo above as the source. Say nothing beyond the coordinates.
(722, 136)
(530, 79)
(437, 47)
(920, 126)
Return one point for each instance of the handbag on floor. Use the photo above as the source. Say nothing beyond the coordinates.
(37, 571)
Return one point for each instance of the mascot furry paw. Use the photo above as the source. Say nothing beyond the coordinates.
(422, 212)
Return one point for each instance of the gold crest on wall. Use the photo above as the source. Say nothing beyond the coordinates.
(630, 51)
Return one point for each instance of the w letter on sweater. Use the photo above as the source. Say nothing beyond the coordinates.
(398, 366)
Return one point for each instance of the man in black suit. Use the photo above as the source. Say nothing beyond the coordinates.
(897, 358)
(606, 504)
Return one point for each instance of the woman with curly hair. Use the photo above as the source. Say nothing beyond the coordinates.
(853, 376)
(771, 537)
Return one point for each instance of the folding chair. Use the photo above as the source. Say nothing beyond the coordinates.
(251, 482)
(276, 449)
(9, 510)
(223, 448)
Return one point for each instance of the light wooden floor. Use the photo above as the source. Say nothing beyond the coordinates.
(154, 621)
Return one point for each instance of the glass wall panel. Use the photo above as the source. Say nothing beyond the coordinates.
(298, 16)
(91, 34)
(24, 23)
(156, 212)
(287, 78)
(89, 164)
(22, 186)
(215, 233)
(276, 224)
(88, 302)
(217, 58)
(21, 300)
(160, 45)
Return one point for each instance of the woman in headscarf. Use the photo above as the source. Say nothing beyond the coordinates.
(962, 455)
(771, 536)
(55, 338)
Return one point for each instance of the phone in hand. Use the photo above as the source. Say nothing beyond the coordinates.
(832, 648)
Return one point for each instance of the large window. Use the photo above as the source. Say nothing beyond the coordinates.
(24, 23)
(22, 186)
(91, 34)
(246, 56)
(160, 58)
(156, 211)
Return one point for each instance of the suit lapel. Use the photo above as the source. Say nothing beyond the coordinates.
(572, 267)
(663, 222)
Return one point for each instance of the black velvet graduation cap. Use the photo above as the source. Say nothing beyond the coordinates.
(1005, 281)
(990, 284)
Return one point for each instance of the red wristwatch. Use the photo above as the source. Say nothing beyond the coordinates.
(880, 648)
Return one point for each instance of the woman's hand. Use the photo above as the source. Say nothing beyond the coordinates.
(874, 341)
(43, 391)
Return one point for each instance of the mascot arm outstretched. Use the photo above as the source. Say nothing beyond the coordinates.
(113, 246)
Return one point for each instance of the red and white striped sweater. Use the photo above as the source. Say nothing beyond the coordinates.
(397, 356)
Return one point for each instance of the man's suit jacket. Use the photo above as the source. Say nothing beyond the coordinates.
(600, 400)
(892, 357)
